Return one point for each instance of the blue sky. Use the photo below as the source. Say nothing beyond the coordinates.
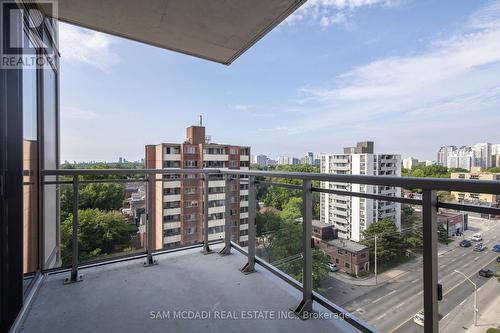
(411, 75)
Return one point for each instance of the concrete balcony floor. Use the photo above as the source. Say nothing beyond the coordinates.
(121, 297)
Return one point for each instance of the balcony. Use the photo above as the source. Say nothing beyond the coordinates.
(184, 279)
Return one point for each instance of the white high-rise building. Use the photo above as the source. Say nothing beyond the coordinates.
(352, 215)
(462, 158)
(283, 160)
(443, 153)
(482, 155)
(410, 162)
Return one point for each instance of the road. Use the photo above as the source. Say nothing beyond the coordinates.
(391, 306)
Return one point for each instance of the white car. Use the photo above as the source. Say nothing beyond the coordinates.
(332, 267)
(419, 319)
(477, 238)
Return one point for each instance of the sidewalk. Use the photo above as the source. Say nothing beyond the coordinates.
(460, 319)
(489, 314)
(381, 278)
(394, 272)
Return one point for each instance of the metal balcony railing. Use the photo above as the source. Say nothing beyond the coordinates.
(429, 203)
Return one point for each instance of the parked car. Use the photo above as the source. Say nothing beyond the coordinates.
(477, 238)
(332, 267)
(496, 248)
(485, 272)
(498, 259)
(480, 247)
(419, 318)
(465, 243)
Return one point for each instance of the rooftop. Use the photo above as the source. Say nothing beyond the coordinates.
(347, 245)
(319, 224)
(122, 297)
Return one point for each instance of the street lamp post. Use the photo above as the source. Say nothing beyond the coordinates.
(475, 295)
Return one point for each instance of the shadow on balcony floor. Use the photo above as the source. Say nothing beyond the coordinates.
(122, 297)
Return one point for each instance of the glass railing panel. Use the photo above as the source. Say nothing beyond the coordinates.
(468, 252)
(374, 252)
(111, 221)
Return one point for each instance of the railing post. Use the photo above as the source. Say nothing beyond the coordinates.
(150, 260)
(305, 305)
(75, 276)
(429, 219)
(227, 226)
(206, 247)
(250, 265)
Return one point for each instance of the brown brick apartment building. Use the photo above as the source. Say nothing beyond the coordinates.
(350, 257)
(178, 199)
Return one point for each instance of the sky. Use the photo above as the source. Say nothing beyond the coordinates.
(411, 75)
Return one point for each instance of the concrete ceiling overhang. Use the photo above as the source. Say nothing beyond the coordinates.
(217, 30)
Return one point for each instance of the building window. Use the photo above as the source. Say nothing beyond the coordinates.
(189, 231)
(347, 265)
(191, 204)
(171, 176)
(171, 232)
(216, 203)
(190, 190)
(167, 191)
(216, 216)
(171, 164)
(190, 217)
(190, 150)
(216, 230)
(171, 218)
(190, 164)
(173, 204)
(233, 151)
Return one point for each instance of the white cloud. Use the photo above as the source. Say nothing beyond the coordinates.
(86, 47)
(243, 107)
(331, 12)
(445, 93)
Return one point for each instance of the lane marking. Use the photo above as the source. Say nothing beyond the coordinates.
(378, 299)
(461, 303)
(446, 293)
(400, 304)
(414, 280)
(380, 317)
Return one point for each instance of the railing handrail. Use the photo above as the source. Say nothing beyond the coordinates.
(438, 184)
(429, 203)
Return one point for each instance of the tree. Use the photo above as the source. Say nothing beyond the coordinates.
(101, 196)
(282, 242)
(442, 233)
(390, 242)
(292, 210)
(445, 196)
(99, 233)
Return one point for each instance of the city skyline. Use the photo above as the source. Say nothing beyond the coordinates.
(336, 51)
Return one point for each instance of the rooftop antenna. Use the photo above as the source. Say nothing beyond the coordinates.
(201, 120)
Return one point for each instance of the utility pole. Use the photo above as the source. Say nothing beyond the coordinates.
(375, 259)
(475, 295)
